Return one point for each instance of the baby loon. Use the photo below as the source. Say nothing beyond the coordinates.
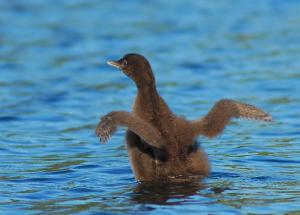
(161, 145)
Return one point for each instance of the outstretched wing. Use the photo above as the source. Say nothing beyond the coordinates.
(110, 122)
(218, 117)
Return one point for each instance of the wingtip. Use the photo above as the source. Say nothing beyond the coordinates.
(102, 139)
(268, 118)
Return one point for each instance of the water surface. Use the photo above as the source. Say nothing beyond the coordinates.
(54, 86)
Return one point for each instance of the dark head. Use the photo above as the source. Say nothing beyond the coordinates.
(137, 68)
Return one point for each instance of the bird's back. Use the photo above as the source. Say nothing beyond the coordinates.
(181, 155)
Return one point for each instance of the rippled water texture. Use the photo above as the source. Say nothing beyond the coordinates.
(54, 86)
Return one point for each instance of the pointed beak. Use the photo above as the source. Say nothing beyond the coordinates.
(114, 64)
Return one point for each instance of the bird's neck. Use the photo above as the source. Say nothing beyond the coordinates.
(145, 80)
(148, 93)
(147, 97)
(147, 101)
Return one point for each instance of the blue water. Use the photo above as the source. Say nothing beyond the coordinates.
(55, 85)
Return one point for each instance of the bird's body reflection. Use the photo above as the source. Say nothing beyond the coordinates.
(164, 193)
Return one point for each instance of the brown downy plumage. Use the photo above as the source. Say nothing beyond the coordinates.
(161, 145)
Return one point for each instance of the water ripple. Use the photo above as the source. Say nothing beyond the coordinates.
(55, 85)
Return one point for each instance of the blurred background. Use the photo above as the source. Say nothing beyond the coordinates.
(55, 85)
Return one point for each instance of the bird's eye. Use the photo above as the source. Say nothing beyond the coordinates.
(125, 62)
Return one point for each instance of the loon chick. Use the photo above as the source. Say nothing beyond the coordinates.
(161, 145)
